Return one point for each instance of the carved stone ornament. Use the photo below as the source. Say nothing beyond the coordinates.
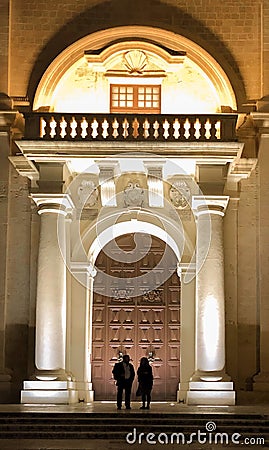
(87, 193)
(121, 295)
(135, 61)
(133, 195)
(179, 194)
(152, 296)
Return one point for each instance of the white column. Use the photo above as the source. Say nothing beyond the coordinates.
(210, 384)
(50, 353)
(81, 328)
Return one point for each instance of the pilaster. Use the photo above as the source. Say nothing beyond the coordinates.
(261, 380)
(186, 273)
(7, 118)
(81, 328)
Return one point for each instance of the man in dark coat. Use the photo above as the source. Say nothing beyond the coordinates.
(124, 374)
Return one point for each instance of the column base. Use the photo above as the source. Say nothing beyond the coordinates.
(211, 393)
(48, 392)
(182, 392)
(84, 391)
(261, 382)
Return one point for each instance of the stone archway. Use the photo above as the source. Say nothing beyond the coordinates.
(144, 324)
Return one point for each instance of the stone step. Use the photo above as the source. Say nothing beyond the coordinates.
(117, 425)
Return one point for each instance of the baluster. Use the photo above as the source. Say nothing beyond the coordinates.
(156, 127)
(202, 128)
(84, 126)
(105, 127)
(63, 125)
(43, 127)
(115, 126)
(146, 126)
(208, 129)
(176, 126)
(218, 129)
(94, 127)
(135, 126)
(73, 126)
(213, 129)
(197, 127)
(187, 126)
(125, 126)
(191, 130)
(52, 126)
(166, 126)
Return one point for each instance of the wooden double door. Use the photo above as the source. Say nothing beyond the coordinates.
(140, 316)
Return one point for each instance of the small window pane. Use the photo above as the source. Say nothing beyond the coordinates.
(122, 103)
(148, 104)
(130, 90)
(122, 89)
(148, 90)
(129, 104)
(141, 104)
(155, 104)
(156, 90)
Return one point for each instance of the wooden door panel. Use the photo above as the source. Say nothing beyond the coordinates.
(147, 323)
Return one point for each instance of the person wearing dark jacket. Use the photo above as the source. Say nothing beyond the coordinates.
(124, 374)
(145, 380)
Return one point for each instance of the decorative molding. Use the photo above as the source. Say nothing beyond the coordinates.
(135, 61)
(133, 195)
(121, 295)
(88, 194)
(180, 194)
(153, 296)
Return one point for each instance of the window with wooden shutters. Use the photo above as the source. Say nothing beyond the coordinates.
(135, 98)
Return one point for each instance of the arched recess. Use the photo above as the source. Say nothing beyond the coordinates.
(150, 38)
(93, 240)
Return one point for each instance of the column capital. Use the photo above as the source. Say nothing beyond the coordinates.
(83, 267)
(261, 121)
(210, 204)
(54, 203)
(183, 268)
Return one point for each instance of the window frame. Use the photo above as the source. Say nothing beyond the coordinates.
(135, 108)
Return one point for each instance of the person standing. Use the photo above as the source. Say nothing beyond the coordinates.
(124, 374)
(145, 381)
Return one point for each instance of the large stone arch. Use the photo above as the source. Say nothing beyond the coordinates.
(152, 14)
(149, 38)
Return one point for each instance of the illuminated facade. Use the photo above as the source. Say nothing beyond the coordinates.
(133, 200)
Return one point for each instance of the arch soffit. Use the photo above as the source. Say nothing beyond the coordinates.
(157, 36)
(92, 243)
